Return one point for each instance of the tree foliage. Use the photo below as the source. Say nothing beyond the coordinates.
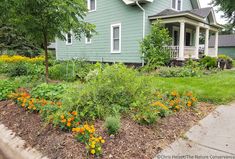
(228, 7)
(153, 47)
(42, 21)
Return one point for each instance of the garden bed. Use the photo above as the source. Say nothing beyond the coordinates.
(133, 140)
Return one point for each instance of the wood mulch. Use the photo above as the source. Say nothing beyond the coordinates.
(134, 141)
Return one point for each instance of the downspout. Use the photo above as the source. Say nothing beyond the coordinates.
(144, 16)
(144, 24)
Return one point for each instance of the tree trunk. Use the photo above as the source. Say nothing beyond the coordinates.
(46, 56)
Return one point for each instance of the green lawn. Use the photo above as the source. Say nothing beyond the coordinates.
(217, 88)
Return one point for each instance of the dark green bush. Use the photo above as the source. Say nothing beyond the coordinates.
(24, 69)
(17, 69)
(208, 62)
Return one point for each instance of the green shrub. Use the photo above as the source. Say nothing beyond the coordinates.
(48, 91)
(70, 70)
(30, 81)
(153, 47)
(112, 124)
(208, 62)
(24, 69)
(228, 61)
(178, 72)
(6, 88)
(4, 68)
(17, 69)
(112, 90)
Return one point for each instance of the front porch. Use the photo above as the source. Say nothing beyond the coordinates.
(190, 33)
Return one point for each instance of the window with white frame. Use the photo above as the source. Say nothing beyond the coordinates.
(116, 38)
(91, 5)
(69, 38)
(177, 4)
(88, 39)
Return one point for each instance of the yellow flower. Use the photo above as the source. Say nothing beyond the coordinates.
(92, 151)
(102, 141)
(93, 146)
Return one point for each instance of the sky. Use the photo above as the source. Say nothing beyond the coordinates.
(220, 20)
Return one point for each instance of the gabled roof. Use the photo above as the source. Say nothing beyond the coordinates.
(224, 41)
(204, 15)
(202, 12)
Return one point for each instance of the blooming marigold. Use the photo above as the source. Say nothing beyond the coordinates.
(68, 124)
(92, 151)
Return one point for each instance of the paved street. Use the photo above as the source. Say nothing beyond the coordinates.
(213, 136)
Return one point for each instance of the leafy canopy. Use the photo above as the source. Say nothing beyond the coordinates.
(228, 7)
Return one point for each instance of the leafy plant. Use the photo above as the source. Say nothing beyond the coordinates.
(112, 124)
(6, 88)
(153, 47)
(208, 62)
(178, 72)
(48, 91)
(113, 89)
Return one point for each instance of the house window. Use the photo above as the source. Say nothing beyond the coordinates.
(177, 4)
(69, 38)
(116, 38)
(88, 40)
(91, 4)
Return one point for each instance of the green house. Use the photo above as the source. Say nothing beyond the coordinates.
(122, 24)
(226, 44)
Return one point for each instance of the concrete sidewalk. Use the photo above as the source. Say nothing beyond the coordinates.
(213, 137)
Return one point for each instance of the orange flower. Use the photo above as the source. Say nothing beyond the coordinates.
(62, 117)
(68, 124)
(189, 104)
(63, 121)
(194, 99)
(189, 94)
(75, 113)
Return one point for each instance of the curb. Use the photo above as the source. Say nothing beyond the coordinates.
(13, 146)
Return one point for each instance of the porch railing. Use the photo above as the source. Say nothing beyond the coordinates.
(174, 51)
(189, 51)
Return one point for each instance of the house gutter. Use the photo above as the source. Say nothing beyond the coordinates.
(144, 17)
(144, 25)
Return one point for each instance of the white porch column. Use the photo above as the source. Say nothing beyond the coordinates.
(207, 42)
(181, 42)
(216, 43)
(197, 37)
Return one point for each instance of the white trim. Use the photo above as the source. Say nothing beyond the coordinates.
(89, 5)
(120, 37)
(86, 41)
(56, 48)
(67, 43)
(176, 5)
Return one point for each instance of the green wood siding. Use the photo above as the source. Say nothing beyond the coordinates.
(110, 12)
(230, 51)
